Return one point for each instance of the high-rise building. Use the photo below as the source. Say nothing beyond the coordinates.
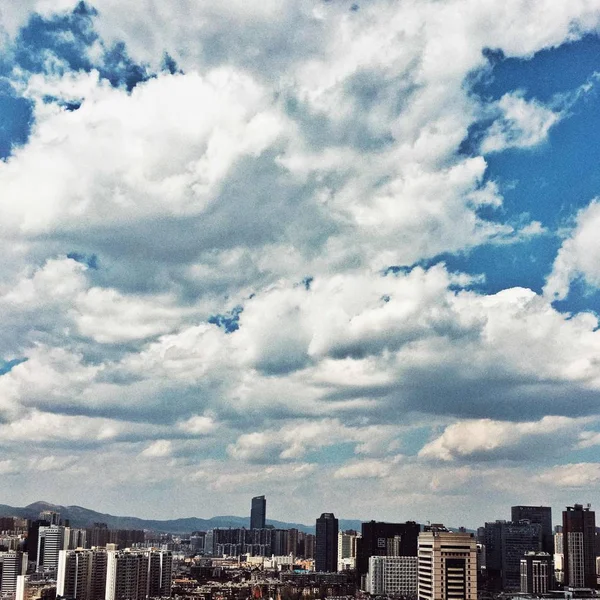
(385, 539)
(82, 574)
(447, 566)
(33, 533)
(137, 575)
(12, 564)
(326, 546)
(347, 549)
(392, 575)
(579, 539)
(309, 545)
(51, 540)
(536, 573)
(505, 544)
(51, 516)
(258, 512)
(537, 514)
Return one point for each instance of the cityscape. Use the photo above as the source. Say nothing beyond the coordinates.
(524, 557)
(301, 298)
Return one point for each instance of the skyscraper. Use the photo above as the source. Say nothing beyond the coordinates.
(258, 513)
(447, 566)
(537, 514)
(326, 551)
(579, 537)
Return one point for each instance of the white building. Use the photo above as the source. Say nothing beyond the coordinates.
(137, 575)
(12, 564)
(82, 574)
(392, 575)
(447, 566)
(51, 541)
(347, 550)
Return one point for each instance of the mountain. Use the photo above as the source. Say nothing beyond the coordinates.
(79, 516)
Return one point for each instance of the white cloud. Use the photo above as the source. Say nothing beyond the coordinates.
(577, 475)
(157, 449)
(485, 438)
(365, 469)
(522, 124)
(301, 140)
(578, 256)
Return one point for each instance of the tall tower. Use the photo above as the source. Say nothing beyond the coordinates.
(326, 550)
(258, 513)
(447, 566)
(579, 534)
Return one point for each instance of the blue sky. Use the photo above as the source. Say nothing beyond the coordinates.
(343, 253)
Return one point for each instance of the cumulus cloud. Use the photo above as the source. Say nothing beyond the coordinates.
(229, 265)
(578, 255)
(487, 439)
(522, 124)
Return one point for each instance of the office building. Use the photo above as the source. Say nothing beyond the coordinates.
(447, 566)
(385, 539)
(12, 565)
(579, 546)
(392, 575)
(326, 543)
(536, 573)
(51, 540)
(506, 542)
(82, 574)
(537, 514)
(258, 513)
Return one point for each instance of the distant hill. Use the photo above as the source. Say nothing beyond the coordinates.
(79, 516)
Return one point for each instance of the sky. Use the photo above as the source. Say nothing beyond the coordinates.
(341, 253)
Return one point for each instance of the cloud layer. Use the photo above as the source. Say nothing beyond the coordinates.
(227, 235)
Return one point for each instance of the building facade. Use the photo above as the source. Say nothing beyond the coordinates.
(258, 513)
(326, 546)
(536, 573)
(82, 574)
(386, 539)
(12, 565)
(137, 575)
(447, 566)
(51, 540)
(579, 546)
(392, 575)
(541, 515)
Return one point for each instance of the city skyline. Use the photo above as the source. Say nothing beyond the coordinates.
(339, 253)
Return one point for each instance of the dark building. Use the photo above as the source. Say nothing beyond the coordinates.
(536, 573)
(385, 539)
(579, 546)
(33, 532)
(326, 546)
(537, 514)
(258, 513)
(506, 543)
